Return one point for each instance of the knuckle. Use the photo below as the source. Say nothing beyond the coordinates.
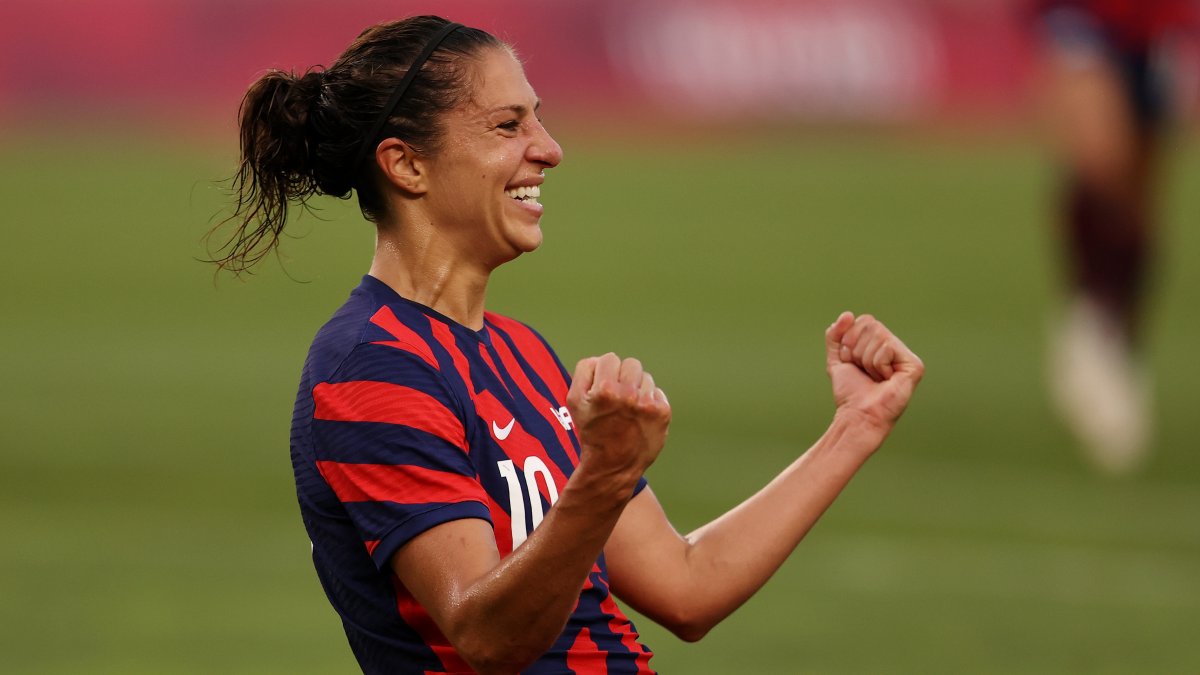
(603, 393)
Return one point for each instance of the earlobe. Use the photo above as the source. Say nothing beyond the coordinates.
(401, 165)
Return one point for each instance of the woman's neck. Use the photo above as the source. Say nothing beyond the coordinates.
(423, 267)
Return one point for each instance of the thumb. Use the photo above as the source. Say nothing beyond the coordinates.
(833, 338)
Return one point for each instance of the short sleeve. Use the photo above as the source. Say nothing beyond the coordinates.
(390, 440)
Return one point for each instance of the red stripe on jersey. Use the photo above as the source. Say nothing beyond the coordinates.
(371, 546)
(544, 406)
(585, 657)
(419, 620)
(399, 483)
(364, 401)
(501, 527)
(406, 338)
(620, 625)
(534, 351)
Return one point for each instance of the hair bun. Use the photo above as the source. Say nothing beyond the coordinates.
(311, 82)
(306, 91)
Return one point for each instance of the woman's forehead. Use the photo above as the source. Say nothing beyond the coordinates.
(499, 83)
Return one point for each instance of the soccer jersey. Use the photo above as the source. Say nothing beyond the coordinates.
(406, 420)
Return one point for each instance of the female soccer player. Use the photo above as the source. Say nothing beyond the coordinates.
(1107, 95)
(472, 507)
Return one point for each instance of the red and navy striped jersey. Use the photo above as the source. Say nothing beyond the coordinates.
(406, 420)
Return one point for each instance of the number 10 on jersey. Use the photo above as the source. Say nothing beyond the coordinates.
(534, 466)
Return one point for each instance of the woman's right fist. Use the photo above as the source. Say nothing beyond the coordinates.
(621, 418)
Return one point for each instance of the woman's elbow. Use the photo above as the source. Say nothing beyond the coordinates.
(690, 633)
(498, 662)
(689, 627)
(488, 657)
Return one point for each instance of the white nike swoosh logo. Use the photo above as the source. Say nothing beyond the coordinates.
(503, 432)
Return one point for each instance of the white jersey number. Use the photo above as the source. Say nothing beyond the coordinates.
(516, 497)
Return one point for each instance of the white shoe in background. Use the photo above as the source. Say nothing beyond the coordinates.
(1100, 387)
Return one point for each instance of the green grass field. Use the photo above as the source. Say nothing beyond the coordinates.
(146, 504)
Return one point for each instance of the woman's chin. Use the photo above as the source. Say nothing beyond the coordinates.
(518, 243)
(527, 239)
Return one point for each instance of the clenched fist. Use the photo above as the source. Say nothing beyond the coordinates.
(621, 417)
(874, 374)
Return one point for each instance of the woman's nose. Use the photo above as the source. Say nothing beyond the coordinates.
(544, 149)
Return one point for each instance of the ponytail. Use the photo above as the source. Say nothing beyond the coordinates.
(277, 165)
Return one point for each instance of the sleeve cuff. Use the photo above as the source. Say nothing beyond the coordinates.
(407, 530)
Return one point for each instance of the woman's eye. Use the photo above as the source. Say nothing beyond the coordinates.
(511, 125)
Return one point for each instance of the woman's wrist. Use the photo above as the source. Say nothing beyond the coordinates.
(600, 484)
(857, 431)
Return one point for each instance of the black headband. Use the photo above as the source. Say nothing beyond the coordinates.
(368, 142)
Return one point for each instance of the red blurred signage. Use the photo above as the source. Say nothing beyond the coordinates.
(874, 60)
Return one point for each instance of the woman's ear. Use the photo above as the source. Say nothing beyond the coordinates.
(401, 165)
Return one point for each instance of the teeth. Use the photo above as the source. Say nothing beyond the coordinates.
(531, 192)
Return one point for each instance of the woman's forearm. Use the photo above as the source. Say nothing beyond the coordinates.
(730, 558)
(504, 615)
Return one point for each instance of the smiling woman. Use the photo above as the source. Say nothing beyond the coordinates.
(486, 178)
(472, 506)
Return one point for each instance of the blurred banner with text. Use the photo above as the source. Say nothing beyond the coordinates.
(690, 60)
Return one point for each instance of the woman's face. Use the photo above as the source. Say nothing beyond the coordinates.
(484, 183)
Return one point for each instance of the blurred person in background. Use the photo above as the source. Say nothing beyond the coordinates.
(1107, 97)
(471, 506)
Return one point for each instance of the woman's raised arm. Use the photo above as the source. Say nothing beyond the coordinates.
(690, 583)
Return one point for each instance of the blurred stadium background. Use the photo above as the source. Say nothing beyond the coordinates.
(737, 173)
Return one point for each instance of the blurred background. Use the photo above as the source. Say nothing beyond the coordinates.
(737, 172)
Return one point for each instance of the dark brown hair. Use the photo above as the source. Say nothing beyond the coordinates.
(300, 135)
